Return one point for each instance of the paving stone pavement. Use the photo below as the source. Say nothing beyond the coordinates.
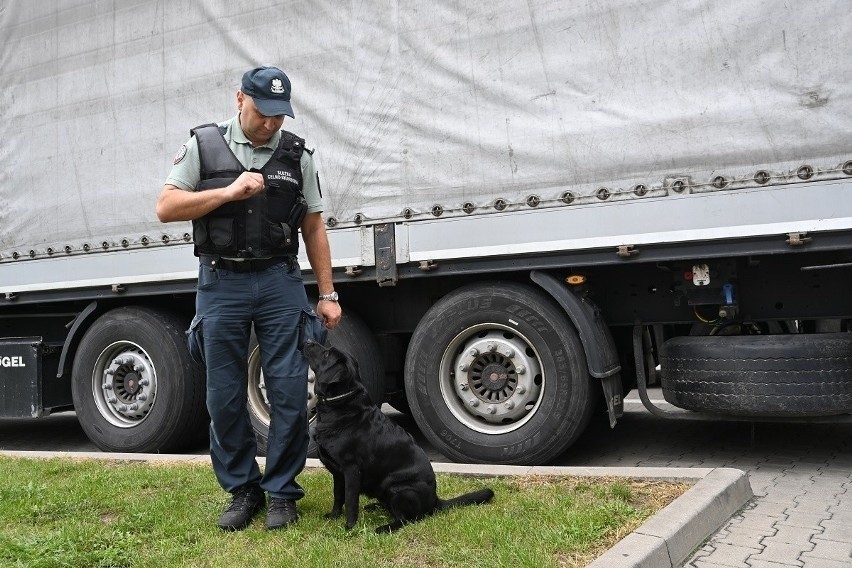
(801, 476)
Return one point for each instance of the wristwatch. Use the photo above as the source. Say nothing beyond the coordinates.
(329, 297)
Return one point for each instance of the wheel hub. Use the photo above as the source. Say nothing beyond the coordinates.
(496, 378)
(127, 385)
(495, 381)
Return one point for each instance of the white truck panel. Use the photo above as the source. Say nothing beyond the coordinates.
(413, 104)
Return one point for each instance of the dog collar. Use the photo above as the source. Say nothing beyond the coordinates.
(337, 398)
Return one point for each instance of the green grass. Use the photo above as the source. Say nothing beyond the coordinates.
(105, 514)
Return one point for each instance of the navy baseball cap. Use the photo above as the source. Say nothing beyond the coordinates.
(269, 88)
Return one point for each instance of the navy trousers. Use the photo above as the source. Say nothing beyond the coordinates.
(227, 304)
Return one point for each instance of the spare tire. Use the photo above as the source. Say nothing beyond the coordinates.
(760, 375)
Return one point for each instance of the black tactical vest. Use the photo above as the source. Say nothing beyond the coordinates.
(264, 225)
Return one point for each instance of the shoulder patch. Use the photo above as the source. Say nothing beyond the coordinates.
(181, 154)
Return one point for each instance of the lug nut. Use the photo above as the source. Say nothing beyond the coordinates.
(474, 352)
(491, 409)
(520, 369)
(473, 402)
(463, 367)
(492, 347)
(142, 396)
(144, 382)
(521, 389)
(510, 405)
(463, 386)
(107, 387)
(109, 372)
(112, 400)
(509, 352)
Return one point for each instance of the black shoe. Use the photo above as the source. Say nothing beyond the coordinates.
(247, 501)
(281, 512)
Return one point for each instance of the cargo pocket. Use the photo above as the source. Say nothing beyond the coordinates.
(195, 339)
(311, 328)
(280, 234)
(221, 231)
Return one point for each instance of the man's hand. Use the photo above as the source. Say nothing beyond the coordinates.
(330, 313)
(248, 184)
(175, 204)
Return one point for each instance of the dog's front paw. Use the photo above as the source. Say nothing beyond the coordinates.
(350, 526)
(333, 514)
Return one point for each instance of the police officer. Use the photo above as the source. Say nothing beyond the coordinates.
(248, 188)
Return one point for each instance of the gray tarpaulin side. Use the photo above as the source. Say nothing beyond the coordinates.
(412, 104)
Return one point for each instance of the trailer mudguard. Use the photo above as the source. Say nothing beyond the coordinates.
(73, 337)
(598, 345)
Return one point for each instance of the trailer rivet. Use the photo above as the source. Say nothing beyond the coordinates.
(125, 243)
(468, 207)
(678, 186)
(49, 251)
(145, 240)
(499, 204)
(762, 177)
(86, 247)
(640, 190)
(165, 239)
(719, 182)
(602, 194)
(437, 210)
(358, 219)
(15, 255)
(805, 172)
(332, 222)
(847, 168)
(32, 253)
(104, 245)
(408, 213)
(533, 201)
(567, 198)
(67, 249)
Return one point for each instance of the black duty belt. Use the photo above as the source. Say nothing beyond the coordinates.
(248, 265)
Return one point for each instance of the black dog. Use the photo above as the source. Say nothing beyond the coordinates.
(368, 453)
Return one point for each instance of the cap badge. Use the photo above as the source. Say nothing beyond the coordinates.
(277, 86)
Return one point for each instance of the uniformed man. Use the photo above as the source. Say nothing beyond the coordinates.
(248, 188)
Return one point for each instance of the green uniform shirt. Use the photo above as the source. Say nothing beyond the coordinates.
(186, 171)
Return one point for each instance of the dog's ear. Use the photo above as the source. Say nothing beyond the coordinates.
(352, 368)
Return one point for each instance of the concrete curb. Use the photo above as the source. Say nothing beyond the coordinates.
(665, 540)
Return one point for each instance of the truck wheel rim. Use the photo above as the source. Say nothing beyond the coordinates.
(257, 399)
(491, 378)
(124, 384)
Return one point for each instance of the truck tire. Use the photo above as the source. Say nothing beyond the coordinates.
(135, 387)
(496, 373)
(760, 375)
(351, 335)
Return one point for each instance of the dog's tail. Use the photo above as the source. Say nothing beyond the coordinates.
(473, 498)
